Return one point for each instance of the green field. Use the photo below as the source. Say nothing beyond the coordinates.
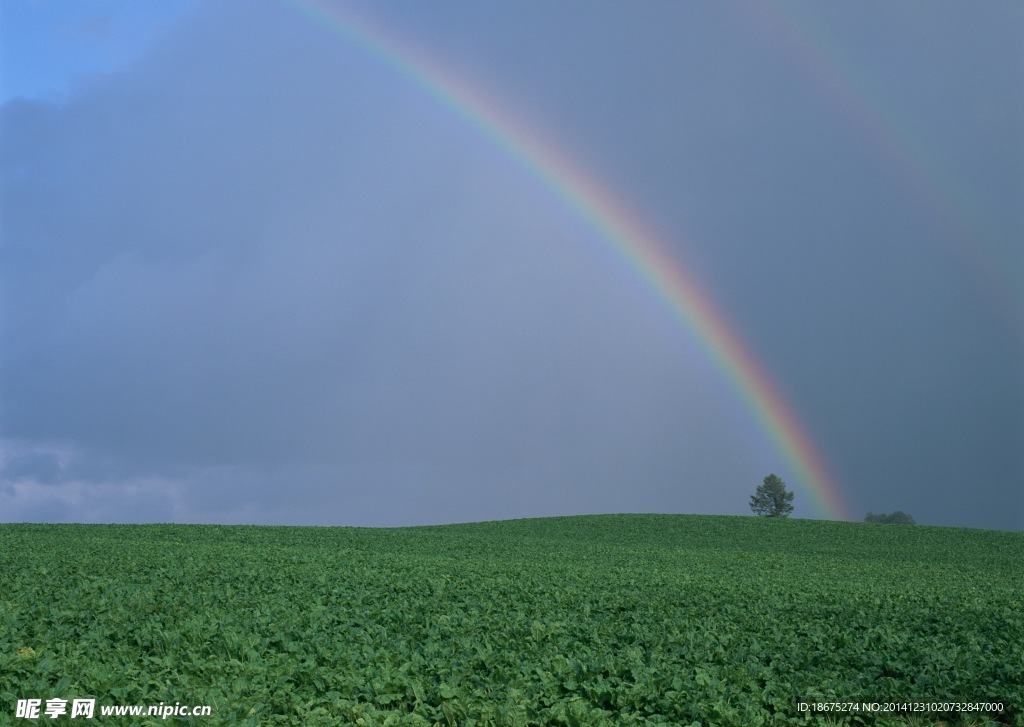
(624, 619)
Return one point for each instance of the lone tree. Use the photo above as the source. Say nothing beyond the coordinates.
(771, 498)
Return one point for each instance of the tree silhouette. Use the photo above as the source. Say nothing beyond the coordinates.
(771, 498)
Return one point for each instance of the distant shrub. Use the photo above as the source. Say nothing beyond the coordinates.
(897, 518)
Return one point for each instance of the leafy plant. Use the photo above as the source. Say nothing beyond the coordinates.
(600, 620)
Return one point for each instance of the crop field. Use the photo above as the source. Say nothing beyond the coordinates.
(596, 620)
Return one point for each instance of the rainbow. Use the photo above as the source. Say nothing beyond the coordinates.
(625, 235)
(956, 218)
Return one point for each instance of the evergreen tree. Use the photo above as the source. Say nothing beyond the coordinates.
(771, 498)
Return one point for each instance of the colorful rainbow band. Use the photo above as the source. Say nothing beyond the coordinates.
(625, 235)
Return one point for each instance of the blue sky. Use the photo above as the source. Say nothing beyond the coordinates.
(249, 273)
(51, 48)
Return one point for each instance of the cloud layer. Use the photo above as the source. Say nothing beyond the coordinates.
(258, 276)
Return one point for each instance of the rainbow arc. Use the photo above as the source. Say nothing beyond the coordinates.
(632, 242)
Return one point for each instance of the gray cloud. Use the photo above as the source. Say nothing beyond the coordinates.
(259, 277)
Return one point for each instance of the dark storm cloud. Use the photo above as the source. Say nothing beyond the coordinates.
(846, 179)
(248, 288)
(259, 277)
(41, 467)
